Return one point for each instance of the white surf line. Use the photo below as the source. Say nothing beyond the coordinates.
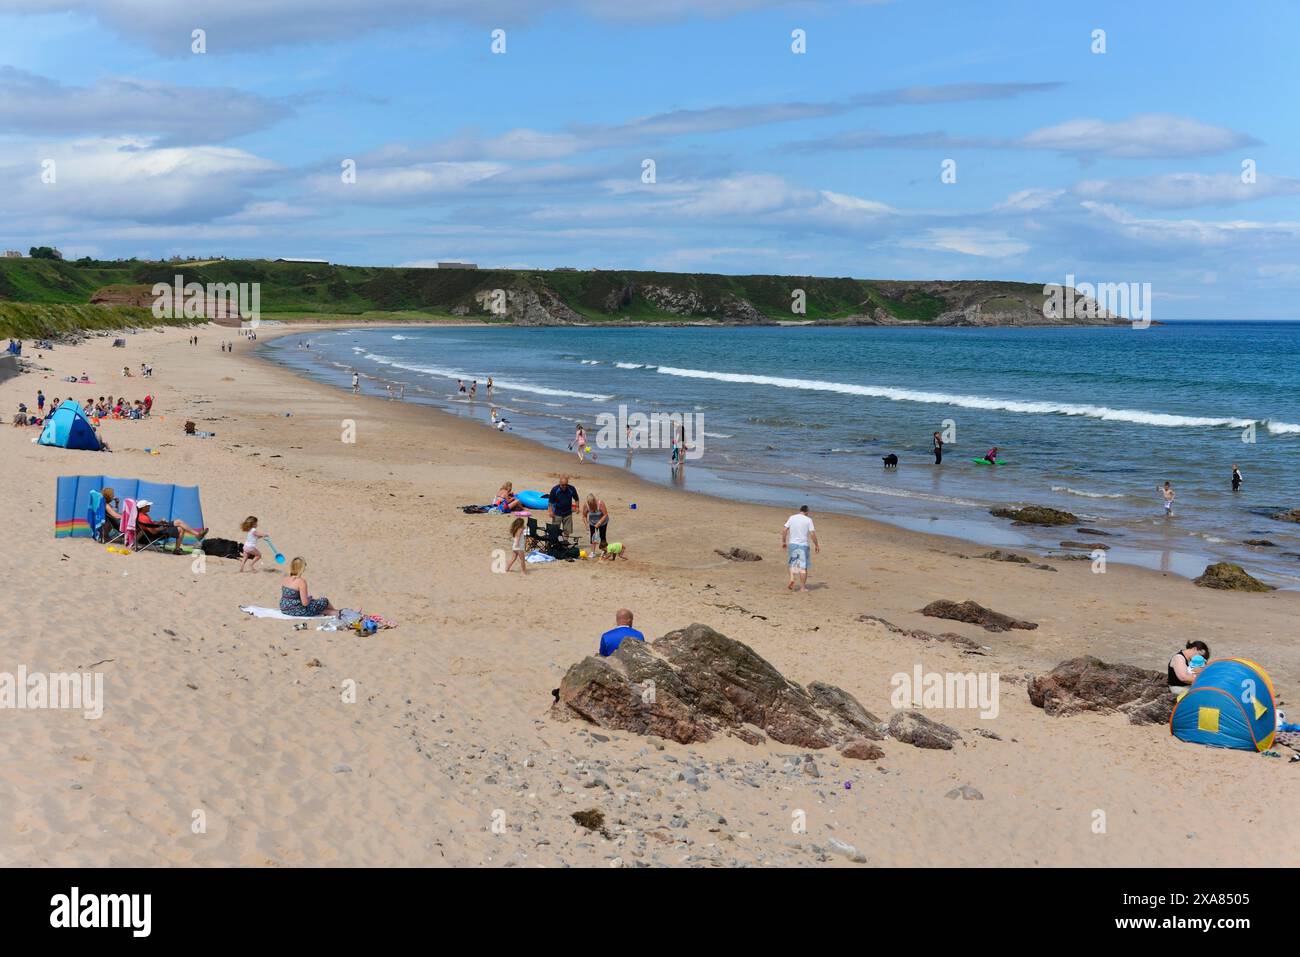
(1135, 416)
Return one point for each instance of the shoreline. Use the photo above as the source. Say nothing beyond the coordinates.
(1185, 558)
(209, 709)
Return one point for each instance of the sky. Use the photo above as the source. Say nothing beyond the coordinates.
(1119, 142)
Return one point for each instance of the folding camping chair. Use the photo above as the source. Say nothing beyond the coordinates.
(142, 541)
(97, 518)
(552, 541)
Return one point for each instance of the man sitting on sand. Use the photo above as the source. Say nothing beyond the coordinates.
(623, 629)
(1181, 675)
(161, 531)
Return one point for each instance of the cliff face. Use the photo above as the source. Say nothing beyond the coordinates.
(552, 297)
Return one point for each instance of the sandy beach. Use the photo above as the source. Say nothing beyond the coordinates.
(241, 725)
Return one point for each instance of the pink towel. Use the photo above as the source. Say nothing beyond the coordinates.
(128, 521)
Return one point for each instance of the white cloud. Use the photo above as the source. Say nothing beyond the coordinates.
(131, 179)
(1190, 233)
(1141, 135)
(986, 243)
(399, 184)
(37, 105)
(1179, 190)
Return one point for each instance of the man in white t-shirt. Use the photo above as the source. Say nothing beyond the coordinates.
(795, 536)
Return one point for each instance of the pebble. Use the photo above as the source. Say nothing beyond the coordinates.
(836, 846)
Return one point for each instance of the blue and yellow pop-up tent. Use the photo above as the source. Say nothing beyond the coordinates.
(68, 428)
(72, 504)
(1230, 705)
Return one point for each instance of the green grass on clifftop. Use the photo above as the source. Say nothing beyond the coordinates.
(327, 291)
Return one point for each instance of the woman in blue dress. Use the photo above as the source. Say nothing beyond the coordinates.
(296, 600)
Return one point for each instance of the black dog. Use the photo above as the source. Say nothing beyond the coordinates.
(890, 460)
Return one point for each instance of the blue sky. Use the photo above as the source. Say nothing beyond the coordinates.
(1123, 166)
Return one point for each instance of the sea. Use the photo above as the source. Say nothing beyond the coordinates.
(1090, 420)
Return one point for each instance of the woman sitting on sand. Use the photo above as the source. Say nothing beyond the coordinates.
(505, 499)
(296, 600)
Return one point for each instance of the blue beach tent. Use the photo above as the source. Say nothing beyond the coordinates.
(1230, 705)
(68, 428)
(77, 511)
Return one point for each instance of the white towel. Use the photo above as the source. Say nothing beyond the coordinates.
(259, 612)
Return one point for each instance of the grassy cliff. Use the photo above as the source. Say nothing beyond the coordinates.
(59, 293)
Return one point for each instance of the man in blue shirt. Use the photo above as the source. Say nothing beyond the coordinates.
(611, 639)
(559, 505)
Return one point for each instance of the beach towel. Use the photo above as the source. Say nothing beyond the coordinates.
(95, 515)
(128, 521)
(257, 611)
(536, 556)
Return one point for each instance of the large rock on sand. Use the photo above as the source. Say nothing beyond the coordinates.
(975, 614)
(704, 684)
(1230, 576)
(1090, 684)
(914, 728)
(1036, 515)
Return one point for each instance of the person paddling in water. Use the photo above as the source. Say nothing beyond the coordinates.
(991, 456)
(1168, 493)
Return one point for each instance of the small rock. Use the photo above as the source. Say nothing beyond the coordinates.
(836, 846)
(862, 751)
(966, 793)
(341, 769)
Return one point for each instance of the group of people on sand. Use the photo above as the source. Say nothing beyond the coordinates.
(295, 596)
(148, 530)
(94, 409)
(562, 501)
(122, 408)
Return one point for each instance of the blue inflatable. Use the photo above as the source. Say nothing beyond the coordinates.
(531, 499)
(1230, 705)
